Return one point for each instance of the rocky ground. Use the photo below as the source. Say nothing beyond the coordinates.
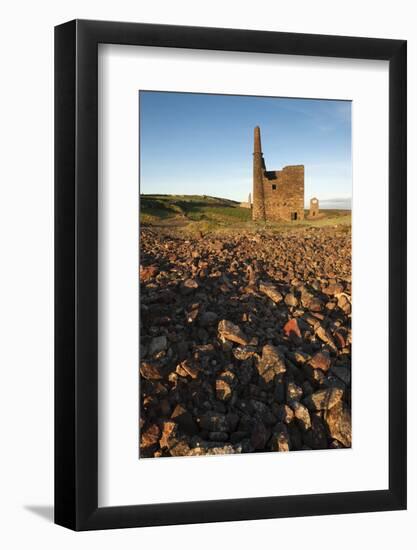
(245, 342)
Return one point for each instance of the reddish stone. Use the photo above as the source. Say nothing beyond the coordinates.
(291, 327)
(147, 273)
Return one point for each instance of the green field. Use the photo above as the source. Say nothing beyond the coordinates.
(191, 213)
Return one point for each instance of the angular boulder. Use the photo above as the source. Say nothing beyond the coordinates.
(323, 399)
(271, 291)
(339, 423)
(229, 331)
(271, 364)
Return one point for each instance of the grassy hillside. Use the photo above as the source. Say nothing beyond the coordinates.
(157, 209)
(204, 213)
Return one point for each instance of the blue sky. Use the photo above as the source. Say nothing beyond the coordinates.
(202, 144)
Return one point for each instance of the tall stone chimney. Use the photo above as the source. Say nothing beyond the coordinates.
(258, 210)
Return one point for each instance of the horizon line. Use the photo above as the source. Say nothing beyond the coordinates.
(335, 199)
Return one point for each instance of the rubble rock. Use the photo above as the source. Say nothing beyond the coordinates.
(271, 363)
(286, 414)
(321, 360)
(223, 389)
(158, 344)
(185, 420)
(214, 422)
(190, 284)
(239, 332)
(271, 291)
(147, 273)
(324, 335)
(291, 300)
(339, 424)
(217, 450)
(301, 414)
(150, 436)
(259, 436)
(229, 331)
(291, 327)
(294, 392)
(280, 440)
(323, 399)
(185, 368)
(343, 302)
(151, 371)
(208, 319)
(343, 373)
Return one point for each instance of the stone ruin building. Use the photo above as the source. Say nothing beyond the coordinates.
(314, 208)
(277, 194)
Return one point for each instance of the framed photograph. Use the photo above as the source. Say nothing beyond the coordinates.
(230, 244)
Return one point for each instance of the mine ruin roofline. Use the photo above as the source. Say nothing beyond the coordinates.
(270, 172)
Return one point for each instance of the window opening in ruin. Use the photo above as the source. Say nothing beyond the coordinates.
(274, 186)
(293, 216)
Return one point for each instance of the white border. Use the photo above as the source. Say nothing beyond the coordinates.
(123, 479)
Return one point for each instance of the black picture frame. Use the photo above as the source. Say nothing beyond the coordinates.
(76, 271)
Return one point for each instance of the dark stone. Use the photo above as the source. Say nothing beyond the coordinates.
(280, 440)
(214, 422)
(259, 436)
(185, 420)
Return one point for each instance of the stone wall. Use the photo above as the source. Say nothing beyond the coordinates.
(283, 192)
